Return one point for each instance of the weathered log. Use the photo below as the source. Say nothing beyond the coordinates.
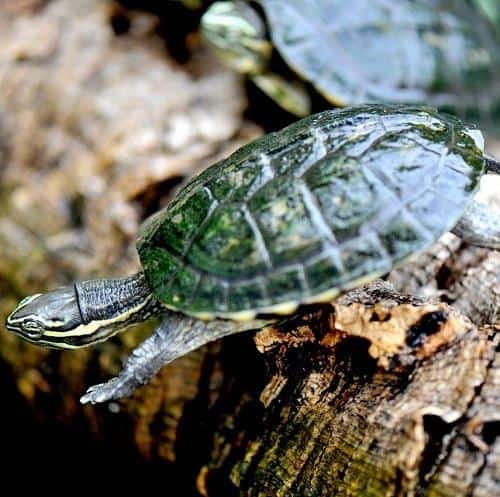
(379, 394)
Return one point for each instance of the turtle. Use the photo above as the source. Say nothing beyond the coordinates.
(332, 201)
(437, 52)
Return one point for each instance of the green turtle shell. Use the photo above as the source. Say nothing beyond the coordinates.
(321, 206)
(437, 52)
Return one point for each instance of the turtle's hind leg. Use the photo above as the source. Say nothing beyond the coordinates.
(479, 225)
(176, 335)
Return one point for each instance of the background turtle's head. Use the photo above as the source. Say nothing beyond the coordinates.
(47, 319)
(238, 35)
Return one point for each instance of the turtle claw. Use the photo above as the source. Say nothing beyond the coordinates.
(113, 389)
(174, 337)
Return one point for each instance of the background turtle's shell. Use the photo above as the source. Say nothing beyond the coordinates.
(491, 9)
(438, 52)
(332, 200)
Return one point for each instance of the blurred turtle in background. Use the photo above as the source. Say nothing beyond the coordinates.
(438, 52)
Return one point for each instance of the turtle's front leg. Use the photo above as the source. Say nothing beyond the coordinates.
(479, 225)
(176, 335)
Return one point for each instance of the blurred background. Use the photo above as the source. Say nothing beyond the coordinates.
(106, 108)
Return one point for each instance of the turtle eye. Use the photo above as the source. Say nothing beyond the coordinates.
(32, 329)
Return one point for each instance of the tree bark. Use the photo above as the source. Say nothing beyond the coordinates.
(379, 394)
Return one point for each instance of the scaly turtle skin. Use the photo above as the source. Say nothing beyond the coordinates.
(330, 202)
(437, 52)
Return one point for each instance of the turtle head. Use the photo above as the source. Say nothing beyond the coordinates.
(238, 35)
(85, 313)
(47, 318)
